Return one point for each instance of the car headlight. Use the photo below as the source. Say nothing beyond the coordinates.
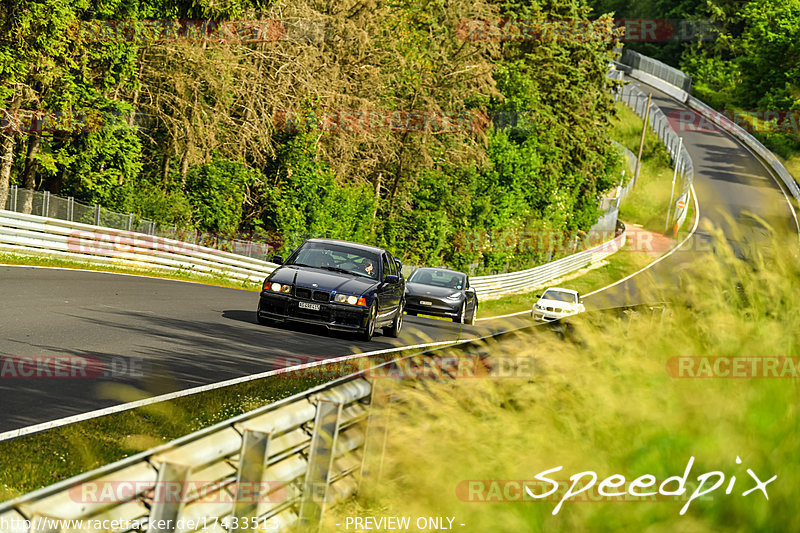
(350, 299)
(277, 287)
(454, 296)
(537, 306)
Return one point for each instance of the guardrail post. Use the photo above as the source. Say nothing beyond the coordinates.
(169, 496)
(320, 462)
(96, 214)
(70, 207)
(250, 488)
(45, 203)
(377, 431)
(129, 223)
(14, 189)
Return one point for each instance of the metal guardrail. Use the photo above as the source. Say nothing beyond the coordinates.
(637, 100)
(679, 79)
(31, 234)
(276, 466)
(656, 68)
(748, 140)
(489, 287)
(48, 205)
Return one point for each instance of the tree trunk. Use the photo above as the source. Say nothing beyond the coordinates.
(29, 174)
(7, 150)
(377, 195)
(184, 165)
(6, 161)
(165, 168)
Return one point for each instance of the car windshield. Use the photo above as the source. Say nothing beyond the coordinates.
(336, 258)
(438, 278)
(560, 296)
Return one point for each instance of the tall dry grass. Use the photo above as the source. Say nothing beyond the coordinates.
(607, 404)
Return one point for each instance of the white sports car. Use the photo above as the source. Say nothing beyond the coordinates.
(557, 303)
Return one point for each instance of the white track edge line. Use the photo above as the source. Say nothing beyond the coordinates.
(203, 388)
(694, 228)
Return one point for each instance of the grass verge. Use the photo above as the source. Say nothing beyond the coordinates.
(647, 203)
(617, 401)
(34, 461)
(183, 275)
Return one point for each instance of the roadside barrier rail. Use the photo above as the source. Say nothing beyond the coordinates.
(276, 466)
(32, 234)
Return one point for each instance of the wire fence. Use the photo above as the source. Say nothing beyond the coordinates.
(658, 69)
(45, 204)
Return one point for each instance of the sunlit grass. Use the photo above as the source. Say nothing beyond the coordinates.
(793, 166)
(183, 275)
(37, 460)
(647, 203)
(607, 404)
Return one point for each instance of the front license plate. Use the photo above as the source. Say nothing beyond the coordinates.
(306, 305)
(425, 302)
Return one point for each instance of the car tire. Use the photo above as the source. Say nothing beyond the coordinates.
(461, 314)
(369, 330)
(397, 323)
(474, 316)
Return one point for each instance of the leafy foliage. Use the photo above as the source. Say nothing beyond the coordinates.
(190, 131)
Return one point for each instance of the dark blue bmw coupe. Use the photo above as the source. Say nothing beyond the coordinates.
(341, 285)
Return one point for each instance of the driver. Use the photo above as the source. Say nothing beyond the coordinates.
(368, 267)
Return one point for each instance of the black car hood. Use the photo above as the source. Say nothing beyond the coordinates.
(325, 280)
(417, 289)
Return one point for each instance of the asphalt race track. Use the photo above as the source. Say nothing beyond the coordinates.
(161, 336)
(731, 184)
(156, 335)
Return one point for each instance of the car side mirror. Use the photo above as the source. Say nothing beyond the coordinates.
(391, 279)
(277, 259)
(399, 264)
(538, 295)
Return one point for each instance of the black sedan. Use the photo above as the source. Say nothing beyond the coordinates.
(441, 292)
(341, 285)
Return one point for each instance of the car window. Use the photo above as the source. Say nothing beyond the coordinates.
(392, 265)
(336, 257)
(560, 296)
(386, 268)
(439, 278)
